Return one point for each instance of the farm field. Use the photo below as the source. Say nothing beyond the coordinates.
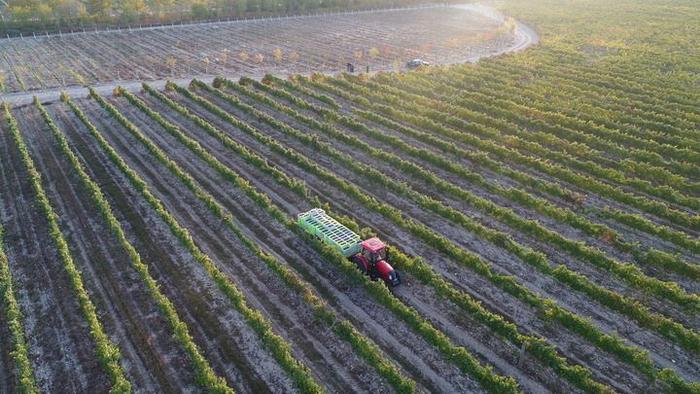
(383, 40)
(542, 207)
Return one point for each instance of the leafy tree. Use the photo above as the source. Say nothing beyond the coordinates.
(253, 5)
(158, 7)
(68, 9)
(241, 6)
(23, 10)
(99, 8)
(269, 5)
(129, 10)
(199, 10)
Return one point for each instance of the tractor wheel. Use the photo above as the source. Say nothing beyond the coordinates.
(360, 266)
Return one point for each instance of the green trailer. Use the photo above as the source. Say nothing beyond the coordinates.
(371, 255)
(318, 223)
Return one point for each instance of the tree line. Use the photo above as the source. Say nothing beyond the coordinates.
(51, 15)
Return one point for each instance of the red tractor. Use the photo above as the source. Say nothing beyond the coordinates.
(371, 256)
(373, 260)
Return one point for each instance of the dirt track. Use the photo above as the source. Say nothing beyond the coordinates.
(57, 334)
(399, 341)
(461, 278)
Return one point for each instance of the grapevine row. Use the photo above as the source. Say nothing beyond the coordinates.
(614, 344)
(662, 121)
(203, 371)
(107, 352)
(461, 87)
(609, 80)
(465, 361)
(660, 110)
(666, 326)
(565, 215)
(576, 374)
(280, 349)
(458, 355)
(465, 135)
(624, 72)
(495, 127)
(496, 85)
(539, 204)
(579, 249)
(15, 321)
(363, 346)
(508, 216)
(502, 84)
(566, 133)
(593, 84)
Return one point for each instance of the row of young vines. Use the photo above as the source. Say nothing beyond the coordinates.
(509, 149)
(343, 328)
(458, 355)
(664, 325)
(204, 373)
(370, 111)
(14, 319)
(541, 205)
(577, 324)
(576, 374)
(107, 352)
(278, 346)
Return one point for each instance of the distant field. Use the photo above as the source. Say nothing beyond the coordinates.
(382, 40)
(542, 207)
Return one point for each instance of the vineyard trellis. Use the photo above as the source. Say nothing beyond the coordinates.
(542, 208)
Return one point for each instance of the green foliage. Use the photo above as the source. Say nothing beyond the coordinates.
(12, 314)
(509, 149)
(39, 15)
(204, 373)
(628, 272)
(107, 352)
(636, 357)
(535, 113)
(366, 111)
(280, 349)
(460, 356)
(364, 347)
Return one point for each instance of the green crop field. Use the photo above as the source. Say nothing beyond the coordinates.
(542, 206)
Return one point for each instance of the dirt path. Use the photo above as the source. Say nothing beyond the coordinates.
(152, 357)
(60, 346)
(413, 291)
(523, 37)
(462, 278)
(392, 335)
(229, 344)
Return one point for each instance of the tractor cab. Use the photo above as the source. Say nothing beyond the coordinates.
(374, 250)
(376, 254)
